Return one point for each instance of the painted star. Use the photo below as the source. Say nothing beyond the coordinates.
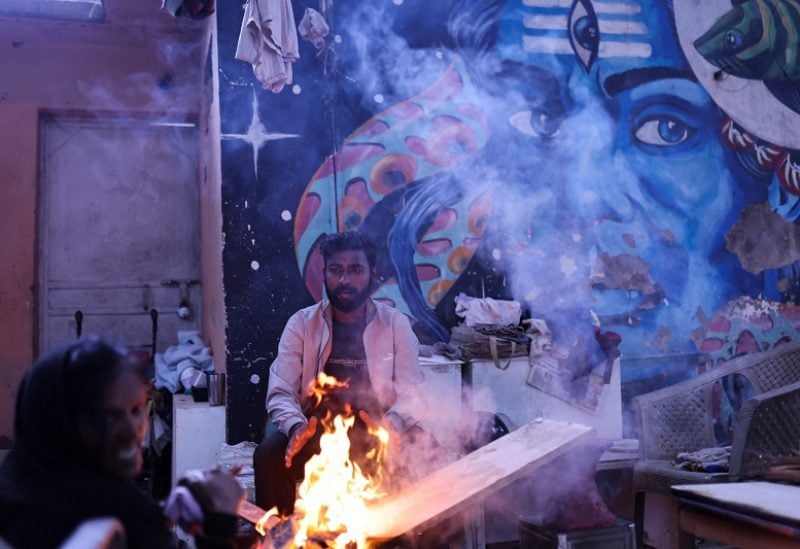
(257, 135)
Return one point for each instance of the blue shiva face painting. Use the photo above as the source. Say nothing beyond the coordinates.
(625, 189)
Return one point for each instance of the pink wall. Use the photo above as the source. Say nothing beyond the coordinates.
(41, 72)
(17, 250)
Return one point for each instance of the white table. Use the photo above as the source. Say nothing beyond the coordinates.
(751, 515)
(197, 432)
(443, 392)
(506, 391)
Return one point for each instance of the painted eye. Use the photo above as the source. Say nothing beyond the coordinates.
(663, 132)
(734, 40)
(536, 123)
(584, 33)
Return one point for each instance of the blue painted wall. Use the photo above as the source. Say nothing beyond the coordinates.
(628, 160)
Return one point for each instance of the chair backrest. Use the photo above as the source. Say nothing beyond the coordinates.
(679, 418)
(768, 429)
(775, 368)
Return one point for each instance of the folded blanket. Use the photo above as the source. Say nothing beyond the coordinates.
(190, 353)
(706, 460)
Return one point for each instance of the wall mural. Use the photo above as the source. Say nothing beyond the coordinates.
(632, 162)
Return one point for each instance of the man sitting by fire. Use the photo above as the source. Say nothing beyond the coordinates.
(365, 345)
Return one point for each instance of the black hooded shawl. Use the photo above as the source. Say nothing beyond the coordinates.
(47, 487)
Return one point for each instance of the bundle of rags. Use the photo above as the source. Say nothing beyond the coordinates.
(183, 366)
(493, 341)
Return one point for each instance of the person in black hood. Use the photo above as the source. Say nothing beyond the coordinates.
(81, 415)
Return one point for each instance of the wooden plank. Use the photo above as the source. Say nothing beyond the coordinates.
(475, 476)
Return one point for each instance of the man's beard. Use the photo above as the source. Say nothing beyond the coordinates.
(355, 301)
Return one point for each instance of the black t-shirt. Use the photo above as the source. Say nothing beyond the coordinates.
(348, 363)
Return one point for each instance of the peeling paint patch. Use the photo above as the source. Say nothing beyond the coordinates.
(568, 265)
(663, 337)
(762, 239)
(629, 240)
(748, 308)
(746, 325)
(625, 272)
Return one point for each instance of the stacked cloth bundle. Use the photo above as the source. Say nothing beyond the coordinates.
(707, 460)
(183, 366)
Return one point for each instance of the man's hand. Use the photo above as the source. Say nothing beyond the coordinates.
(299, 439)
(373, 425)
(215, 490)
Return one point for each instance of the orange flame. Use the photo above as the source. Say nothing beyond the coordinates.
(269, 520)
(332, 500)
(324, 384)
(331, 505)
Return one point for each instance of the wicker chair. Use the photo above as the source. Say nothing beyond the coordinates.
(679, 419)
(768, 429)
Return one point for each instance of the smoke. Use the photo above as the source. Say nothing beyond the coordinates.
(542, 211)
(379, 62)
(164, 81)
(543, 163)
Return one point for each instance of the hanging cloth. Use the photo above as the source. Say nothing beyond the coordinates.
(268, 40)
(193, 9)
(313, 28)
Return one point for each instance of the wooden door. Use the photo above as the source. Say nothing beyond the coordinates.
(119, 235)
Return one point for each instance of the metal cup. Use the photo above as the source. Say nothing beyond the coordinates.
(216, 389)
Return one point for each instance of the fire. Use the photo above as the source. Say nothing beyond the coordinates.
(332, 500)
(331, 505)
(266, 522)
(324, 383)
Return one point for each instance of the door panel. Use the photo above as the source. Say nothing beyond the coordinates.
(118, 229)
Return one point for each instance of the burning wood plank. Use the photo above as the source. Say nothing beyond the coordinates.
(470, 479)
(256, 515)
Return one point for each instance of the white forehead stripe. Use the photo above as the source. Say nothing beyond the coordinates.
(624, 49)
(550, 22)
(615, 26)
(547, 3)
(562, 46)
(616, 8)
(546, 44)
(559, 23)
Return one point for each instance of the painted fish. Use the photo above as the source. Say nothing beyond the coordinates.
(391, 180)
(757, 39)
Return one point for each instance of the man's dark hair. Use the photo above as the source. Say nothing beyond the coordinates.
(350, 240)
